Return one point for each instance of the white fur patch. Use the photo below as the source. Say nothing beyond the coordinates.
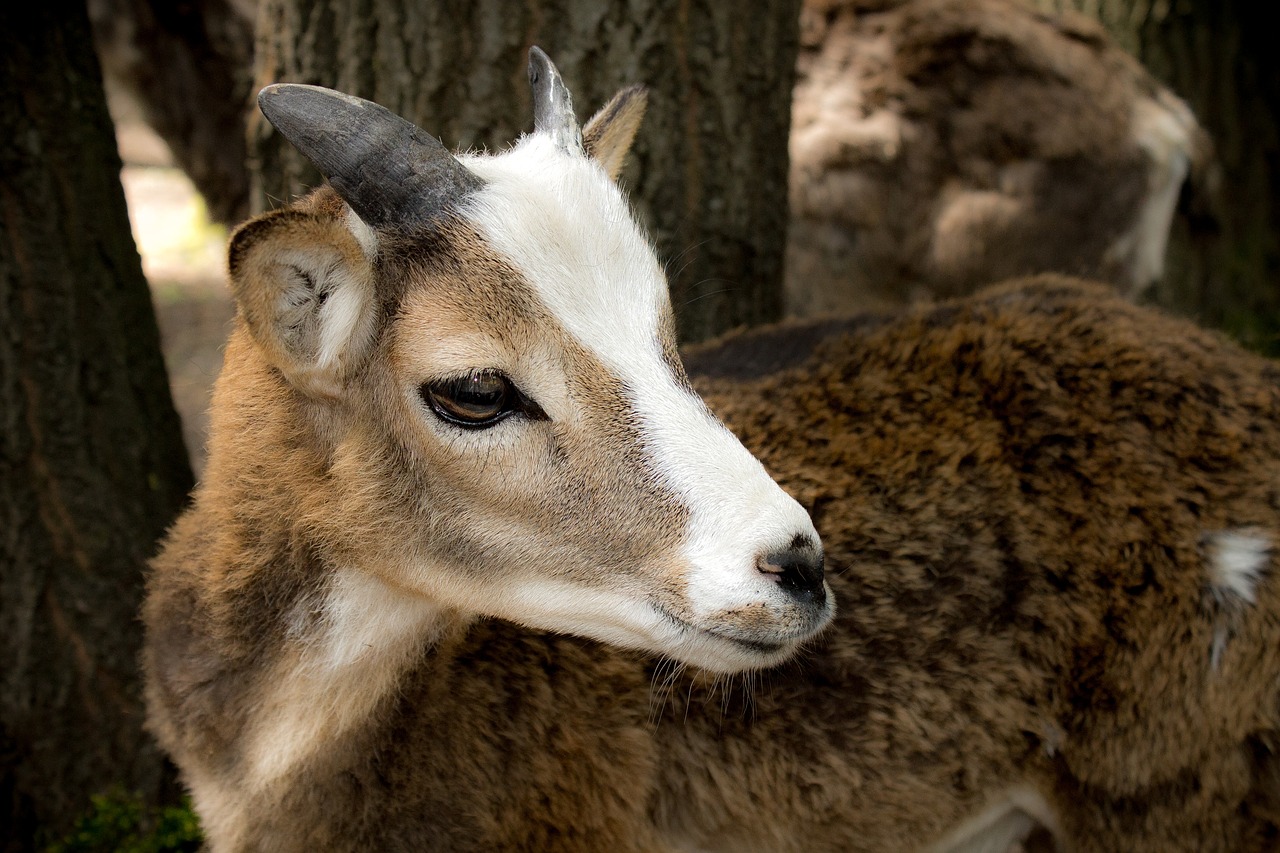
(1237, 559)
(1163, 128)
(344, 311)
(1236, 562)
(1218, 648)
(629, 622)
(348, 662)
(365, 236)
(567, 228)
(1000, 826)
(220, 807)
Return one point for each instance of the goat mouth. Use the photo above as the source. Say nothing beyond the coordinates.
(763, 648)
(758, 646)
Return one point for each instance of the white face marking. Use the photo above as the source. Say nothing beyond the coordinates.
(567, 228)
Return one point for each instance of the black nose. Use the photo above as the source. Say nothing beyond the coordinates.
(798, 570)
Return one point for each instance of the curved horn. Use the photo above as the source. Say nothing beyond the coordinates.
(552, 103)
(387, 169)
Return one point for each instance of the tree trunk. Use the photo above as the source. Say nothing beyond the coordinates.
(1224, 258)
(187, 66)
(92, 466)
(709, 169)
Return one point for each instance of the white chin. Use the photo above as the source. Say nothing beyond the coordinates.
(719, 655)
(727, 654)
(721, 649)
(621, 621)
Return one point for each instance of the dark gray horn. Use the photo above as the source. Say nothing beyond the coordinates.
(388, 170)
(552, 103)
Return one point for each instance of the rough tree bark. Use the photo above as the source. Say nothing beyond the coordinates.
(188, 66)
(709, 170)
(92, 465)
(1224, 261)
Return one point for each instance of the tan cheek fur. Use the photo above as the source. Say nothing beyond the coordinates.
(422, 499)
(550, 481)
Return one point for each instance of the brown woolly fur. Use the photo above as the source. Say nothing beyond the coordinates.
(1013, 492)
(1049, 521)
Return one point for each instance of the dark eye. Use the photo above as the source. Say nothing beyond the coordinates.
(479, 399)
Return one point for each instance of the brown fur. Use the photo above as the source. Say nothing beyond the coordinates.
(1012, 491)
(1024, 480)
(300, 485)
(1019, 495)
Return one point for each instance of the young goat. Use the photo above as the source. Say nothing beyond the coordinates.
(472, 565)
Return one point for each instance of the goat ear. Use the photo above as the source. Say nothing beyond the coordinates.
(304, 286)
(608, 135)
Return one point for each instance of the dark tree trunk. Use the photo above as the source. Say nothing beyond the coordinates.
(709, 169)
(1224, 258)
(187, 66)
(92, 466)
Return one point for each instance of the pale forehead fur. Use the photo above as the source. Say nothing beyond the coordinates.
(568, 227)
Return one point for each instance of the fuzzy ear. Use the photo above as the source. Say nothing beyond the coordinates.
(608, 135)
(304, 286)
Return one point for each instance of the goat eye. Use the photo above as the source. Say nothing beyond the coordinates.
(479, 399)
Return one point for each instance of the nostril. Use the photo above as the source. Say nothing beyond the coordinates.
(798, 570)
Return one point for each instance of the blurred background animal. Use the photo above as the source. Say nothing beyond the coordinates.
(939, 145)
